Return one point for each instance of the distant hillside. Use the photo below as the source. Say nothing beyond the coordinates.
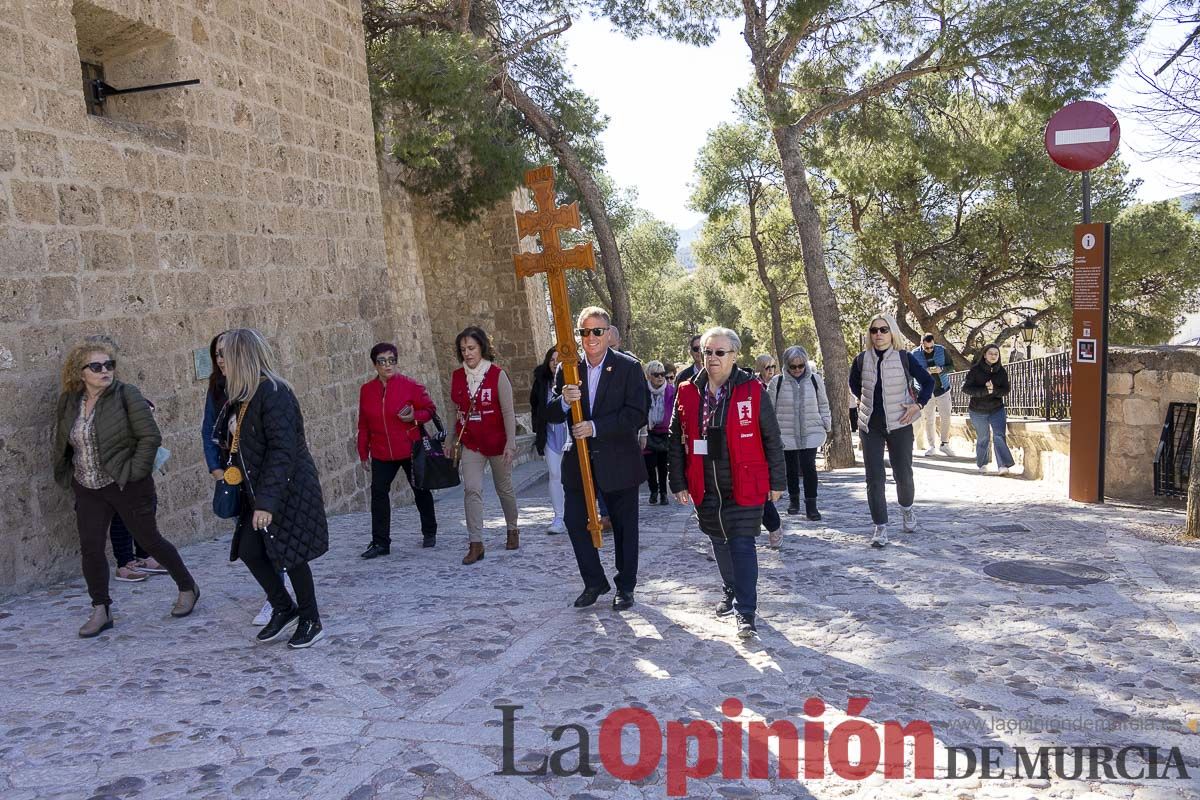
(683, 252)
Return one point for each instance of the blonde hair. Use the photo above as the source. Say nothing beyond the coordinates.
(72, 371)
(762, 362)
(248, 360)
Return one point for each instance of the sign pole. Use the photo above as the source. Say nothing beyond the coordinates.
(1080, 137)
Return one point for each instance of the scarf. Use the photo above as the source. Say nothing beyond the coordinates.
(475, 376)
(657, 406)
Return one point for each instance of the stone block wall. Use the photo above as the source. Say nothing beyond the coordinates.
(252, 199)
(1142, 383)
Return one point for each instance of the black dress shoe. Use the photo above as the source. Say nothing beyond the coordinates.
(588, 596)
(374, 551)
(654, 498)
(308, 633)
(622, 601)
(277, 627)
(429, 541)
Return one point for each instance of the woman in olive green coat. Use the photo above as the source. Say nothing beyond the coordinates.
(105, 442)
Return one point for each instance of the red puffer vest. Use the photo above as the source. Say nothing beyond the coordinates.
(747, 458)
(480, 428)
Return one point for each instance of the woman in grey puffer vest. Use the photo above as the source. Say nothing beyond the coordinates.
(802, 408)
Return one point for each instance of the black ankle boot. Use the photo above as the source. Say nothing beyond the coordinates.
(793, 505)
(810, 510)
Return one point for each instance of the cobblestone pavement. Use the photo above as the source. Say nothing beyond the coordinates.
(399, 700)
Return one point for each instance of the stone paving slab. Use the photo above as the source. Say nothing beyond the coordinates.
(400, 699)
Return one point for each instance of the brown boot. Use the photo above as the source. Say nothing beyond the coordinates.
(98, 623)
(514, 539)
(474, 553)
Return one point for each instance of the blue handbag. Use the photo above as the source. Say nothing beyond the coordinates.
(227, 500)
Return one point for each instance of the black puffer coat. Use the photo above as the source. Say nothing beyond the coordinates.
(543, 380)
(281, 477)
(975, 387)
(718, 514)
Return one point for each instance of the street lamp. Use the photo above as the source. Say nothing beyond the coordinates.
(1028, 330)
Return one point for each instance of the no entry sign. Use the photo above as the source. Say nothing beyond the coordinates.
(1082, 136)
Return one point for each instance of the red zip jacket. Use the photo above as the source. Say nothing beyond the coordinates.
(382, 435)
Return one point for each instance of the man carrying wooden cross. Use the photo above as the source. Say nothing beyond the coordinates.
(613, 393)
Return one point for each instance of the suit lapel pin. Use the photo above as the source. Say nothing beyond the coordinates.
(608, 369)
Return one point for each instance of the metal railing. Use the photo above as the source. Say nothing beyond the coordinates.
(1041, 388)
(1173, 458)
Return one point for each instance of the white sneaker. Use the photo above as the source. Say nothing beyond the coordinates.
(556, 527)
(880, 537)
(983, 469)
(775, 539)
(264, 616)
(910, 519)
(931, 452)
(1002, 471)
(946, 451)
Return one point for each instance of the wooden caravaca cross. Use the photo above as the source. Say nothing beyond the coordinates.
(546, 223)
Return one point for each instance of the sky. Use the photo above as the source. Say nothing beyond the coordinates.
(663, 98)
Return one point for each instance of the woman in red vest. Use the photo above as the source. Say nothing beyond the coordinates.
(391, 410)
(727, 458)
(485, 433)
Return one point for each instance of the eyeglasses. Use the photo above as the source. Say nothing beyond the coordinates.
(718, 353)
(658, 374)
(795, 366)
(770, 368)
(385, 361)
(101, 366)
(583, 333)
(695, 348)
(884, 329)
(220, 352)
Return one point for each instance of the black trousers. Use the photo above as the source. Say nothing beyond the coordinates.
(136, 503)
(899, 445)
(253, 552)
(801, 463)
(623, 511)
(124, 548)
(382, 475)
(656, 468)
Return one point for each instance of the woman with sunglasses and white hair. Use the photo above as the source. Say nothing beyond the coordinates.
(282, 524)
(727, 458)
(105, 443)
(802, 408)
(881, 377)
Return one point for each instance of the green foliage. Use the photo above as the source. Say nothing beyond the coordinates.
(1154, 277)
(452, 137)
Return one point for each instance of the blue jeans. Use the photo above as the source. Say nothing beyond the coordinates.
(989, 428)
(738, 561)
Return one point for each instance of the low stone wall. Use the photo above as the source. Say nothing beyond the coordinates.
(1042, 448)
(1142, 384)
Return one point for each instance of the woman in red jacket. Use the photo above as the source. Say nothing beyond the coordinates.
(390, 410)
(486, 435)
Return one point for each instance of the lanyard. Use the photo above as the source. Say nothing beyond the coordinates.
(710, 407)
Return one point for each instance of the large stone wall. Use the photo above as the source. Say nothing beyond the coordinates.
(251, 199)
(1142, 384)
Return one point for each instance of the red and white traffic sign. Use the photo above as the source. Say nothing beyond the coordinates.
(1082, 136)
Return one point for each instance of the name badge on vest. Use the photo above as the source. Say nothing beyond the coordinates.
(476, 417)
(699, 447)
(745, 409)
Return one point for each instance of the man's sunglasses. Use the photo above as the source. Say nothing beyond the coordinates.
(884, 329)
(718, 353)
(101, 366)
(695, 348)
(583, 333)
(658, 374)
(385, 361)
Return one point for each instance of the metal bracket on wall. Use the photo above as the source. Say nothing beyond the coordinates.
(102, 91)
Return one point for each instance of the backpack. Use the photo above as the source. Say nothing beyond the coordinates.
(811, 376)
(904, 356)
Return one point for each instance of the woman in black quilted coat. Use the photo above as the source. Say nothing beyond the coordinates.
(282, 525)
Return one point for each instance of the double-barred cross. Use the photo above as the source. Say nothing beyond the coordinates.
(546, 223)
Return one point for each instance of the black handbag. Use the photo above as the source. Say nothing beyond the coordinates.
(658, 442)
(432, 468)
(227, 497)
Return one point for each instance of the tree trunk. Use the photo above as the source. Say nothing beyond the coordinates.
(760, 263)
(1193, 503)
(827, 317)
(593, 200)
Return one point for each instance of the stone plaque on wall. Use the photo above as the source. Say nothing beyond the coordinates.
(203, 362)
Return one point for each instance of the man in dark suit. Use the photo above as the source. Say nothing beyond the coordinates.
(613, 393)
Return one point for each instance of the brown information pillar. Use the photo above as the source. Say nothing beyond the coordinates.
(1089, 363)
